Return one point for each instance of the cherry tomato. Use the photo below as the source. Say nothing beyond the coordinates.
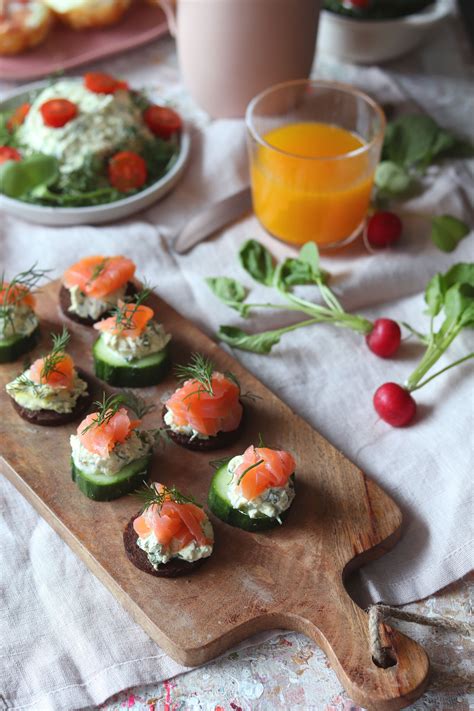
(18, 116)
(101, 83)
(127, 171)
(58, 112)
(162, 121)
(8, 153)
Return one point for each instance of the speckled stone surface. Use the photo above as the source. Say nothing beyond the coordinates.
(290, 672)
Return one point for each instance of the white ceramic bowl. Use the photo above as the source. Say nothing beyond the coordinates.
(375, 41)
(96, 214)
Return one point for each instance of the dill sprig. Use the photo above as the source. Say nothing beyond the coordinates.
(55, 356)
(123, 316)
(106, 409)
(98, 269)
(218, 463)
(246, 471)
(15, 290)
(150, 496)
(137, 404)
(199, 368)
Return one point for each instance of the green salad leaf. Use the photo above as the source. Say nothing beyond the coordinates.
(230, 292)
(18, 178)
(447, 231)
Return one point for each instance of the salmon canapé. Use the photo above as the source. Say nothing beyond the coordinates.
(207, 410)
(267, 468)
(130, 321)
(174, 524)
(100, 437)
(99, 276)
(16, 295)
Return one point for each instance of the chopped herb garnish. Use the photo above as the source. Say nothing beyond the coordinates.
(150, 496)
(124, 315)
(56, 355)
(246, 471)
(199, 368)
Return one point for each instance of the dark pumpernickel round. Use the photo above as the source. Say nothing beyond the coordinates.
(221, 440)
(173, 569)
(65, 303)
(49, 418)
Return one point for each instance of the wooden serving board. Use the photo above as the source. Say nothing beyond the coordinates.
(291, 577)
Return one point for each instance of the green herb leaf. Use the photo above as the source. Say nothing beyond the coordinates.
(255, 343)
(199, 368)
(447, 231)
(392, 179)
(230, 292)
(309, 254)
(462, 273)
(434, 294)
(18, 178)
(257, 261)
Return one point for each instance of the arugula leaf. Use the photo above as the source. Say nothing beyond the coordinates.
(229, 291)
(257, 261)
(18, 178)
(255, 343)
(392, 179)
(447, 231)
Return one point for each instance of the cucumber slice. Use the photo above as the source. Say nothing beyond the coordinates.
(115, 370)
(221, 507)
(16, 346)
(102, 487)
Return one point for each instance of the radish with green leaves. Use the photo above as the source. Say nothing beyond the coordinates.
(452, 294)
(383, 337)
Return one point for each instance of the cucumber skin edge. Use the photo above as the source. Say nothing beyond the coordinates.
(111, 491)
(128, 375)
(20, 347)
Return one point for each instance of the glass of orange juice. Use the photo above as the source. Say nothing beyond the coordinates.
(314, 147)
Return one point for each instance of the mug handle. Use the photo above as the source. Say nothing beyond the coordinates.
(168, 7)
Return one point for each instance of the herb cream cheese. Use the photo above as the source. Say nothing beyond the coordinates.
(158, 554)
(271, 502)
(35, 396)
(137, 445)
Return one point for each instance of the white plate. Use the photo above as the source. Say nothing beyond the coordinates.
(96, 214)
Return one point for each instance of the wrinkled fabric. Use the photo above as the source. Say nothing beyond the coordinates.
(64, 640)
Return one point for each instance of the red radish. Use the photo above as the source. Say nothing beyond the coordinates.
(394, 404)
(383, 229)
(58, 112)
(8, 153)
(384, 339)
(362, 4)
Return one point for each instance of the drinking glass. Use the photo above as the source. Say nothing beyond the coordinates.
(313, 148)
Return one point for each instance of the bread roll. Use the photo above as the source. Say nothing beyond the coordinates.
(23, 24)
(81, 14)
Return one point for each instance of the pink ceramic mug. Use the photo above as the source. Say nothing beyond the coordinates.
(230, 50)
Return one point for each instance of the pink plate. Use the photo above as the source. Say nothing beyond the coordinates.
(66, 48)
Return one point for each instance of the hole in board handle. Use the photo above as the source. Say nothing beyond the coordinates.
(388, 659)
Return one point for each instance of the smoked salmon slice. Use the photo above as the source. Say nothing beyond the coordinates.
(101, 438)
(273, 469)
(60, 376)
(16, 294)
(130, 321)
(221, 411)
(99, 276)
(174, 524)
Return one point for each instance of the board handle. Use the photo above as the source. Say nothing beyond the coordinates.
(341, 629)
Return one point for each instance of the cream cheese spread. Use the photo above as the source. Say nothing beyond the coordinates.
(271, 502)
(35, 396)
(186, 430)
(137, 445)
(153, 339)
(17, 320)
(88, 307)
(158, 554)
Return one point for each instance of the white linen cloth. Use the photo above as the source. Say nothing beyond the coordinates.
(64, 640)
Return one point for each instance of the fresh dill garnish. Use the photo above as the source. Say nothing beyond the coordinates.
(199, 368)
(150, 496)
(233, 378)
(246, 471)
(261, 443)
(98, 269)
(55, 356)
(124, 315)
(23, 382)
(218, 463)
(15, 290)
(106, 409)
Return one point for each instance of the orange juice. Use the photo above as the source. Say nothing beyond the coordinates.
(315, 186)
